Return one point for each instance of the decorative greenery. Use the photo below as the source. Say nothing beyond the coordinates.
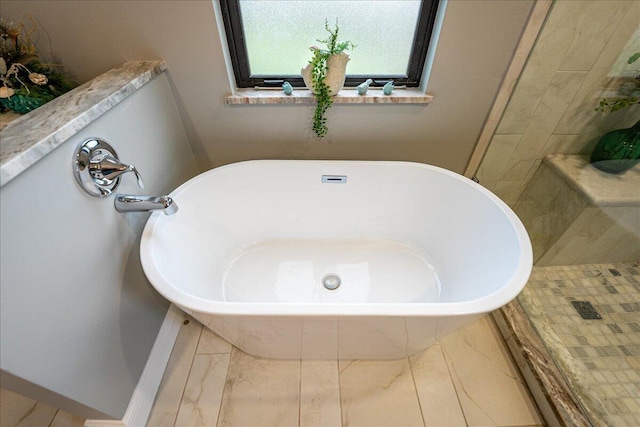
(319, 75)
(630, 92)
(26, 82)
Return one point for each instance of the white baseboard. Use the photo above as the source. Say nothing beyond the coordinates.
(105, 423)
(139, 408)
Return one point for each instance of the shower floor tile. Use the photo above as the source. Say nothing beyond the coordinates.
(600, 357)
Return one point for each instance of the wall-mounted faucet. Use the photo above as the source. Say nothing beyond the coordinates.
(98, 169)
(106, 169)
(132, 203)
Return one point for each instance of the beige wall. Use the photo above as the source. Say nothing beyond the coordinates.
(551, 110)
(476, 44)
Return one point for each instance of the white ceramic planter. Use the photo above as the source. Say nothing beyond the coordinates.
(336, 72)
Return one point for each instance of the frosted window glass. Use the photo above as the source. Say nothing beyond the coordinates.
(278, 34)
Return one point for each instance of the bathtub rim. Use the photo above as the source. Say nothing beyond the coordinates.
(484, 304)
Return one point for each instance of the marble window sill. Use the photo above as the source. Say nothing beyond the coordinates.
(345, 96)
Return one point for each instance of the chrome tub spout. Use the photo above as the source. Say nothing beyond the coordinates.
(133, 203)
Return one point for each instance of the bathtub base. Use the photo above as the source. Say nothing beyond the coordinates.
(331, 338)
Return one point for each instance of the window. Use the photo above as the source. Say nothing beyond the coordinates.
(269, 40)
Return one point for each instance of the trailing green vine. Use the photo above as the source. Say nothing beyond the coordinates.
(321, 92)
(629, 91)
(319, 75)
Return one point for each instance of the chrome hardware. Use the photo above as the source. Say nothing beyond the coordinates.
(131, 203)
(97, 168)
(334, 179)
(107, 169)
(331, 281)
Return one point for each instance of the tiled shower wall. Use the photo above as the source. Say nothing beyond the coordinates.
(552, 107)
(566, 228)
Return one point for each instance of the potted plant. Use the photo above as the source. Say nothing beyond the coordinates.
(26, 81)
(325, 75)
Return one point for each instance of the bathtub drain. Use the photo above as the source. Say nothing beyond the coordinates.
(331, 281)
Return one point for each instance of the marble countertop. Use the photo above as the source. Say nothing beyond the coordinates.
(32, 136)
(598, 187)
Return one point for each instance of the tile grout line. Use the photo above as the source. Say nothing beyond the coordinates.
(184, 387)
(340, 391)
(299, 392)
(447, 363)
(55, 414)
(415, 388)
(224, 386)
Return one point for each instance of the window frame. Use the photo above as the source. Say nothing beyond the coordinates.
(233, 26)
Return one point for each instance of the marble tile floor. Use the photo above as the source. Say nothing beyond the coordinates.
(468, 379)
(19, 411)
(598, 356)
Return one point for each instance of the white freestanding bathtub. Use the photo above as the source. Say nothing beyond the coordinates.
(417, 252)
